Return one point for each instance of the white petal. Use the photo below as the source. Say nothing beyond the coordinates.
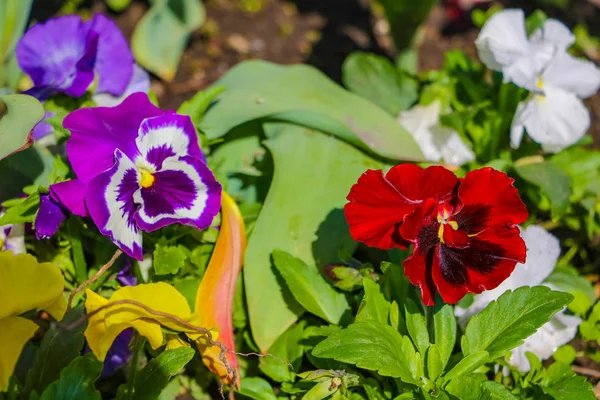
(556, 120)
(503, 39)
(12, 237)
(418, 121)
(572, 74)
(556, 33)
(524, 71)
(453, 149)
(140, 82)
(518, 124)
(543, 250)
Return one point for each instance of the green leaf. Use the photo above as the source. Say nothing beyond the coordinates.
(161, 35)
(14, 15)
(375, 78)
(285, 351)
(153, 378)
(376, 347)
(553, 182)
(197, 105)
(506, 322)
(303, 95)
(76, 381)
(169, 259)
(257, 389)
(19, 113)
(444, 331)
(374, 306)
(465, 388)
(58, 348)
(32, 166)
(568, 280)
(590, 328)
(562, 383)
(467, 365)
(434, 363)
(309, 288)
(496, 391)
(565, 354)
(307, 223)
(416, 325)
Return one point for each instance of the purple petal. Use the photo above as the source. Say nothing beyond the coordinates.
(49, 218)
(166, 136)
(119, 353)
(97, 132)
(109, 198)
(58, 55)
(184, 191)
(114, 60)
(71, 194)
(126, 277)
(43, 128)
(140, 82)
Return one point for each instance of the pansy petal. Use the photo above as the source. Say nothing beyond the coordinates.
(50, 52)
(503, 39)
(184, 191)
(555, 33)
(119, 353)
(114, 60)
(488, 199)
(377, 204)
(49, 218)
(556, 120)
(573, 75)
(15, 332)
(43, 128)
(419, 122)
(97, 132)
(28, 285)
(140, 82)
(110, 201)
(71, 194)
(166, 136)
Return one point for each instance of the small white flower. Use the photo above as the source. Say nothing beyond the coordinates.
(543, 250)
(437, 142)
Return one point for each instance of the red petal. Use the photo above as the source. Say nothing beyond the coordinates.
(419, 274)
(377, 204)
(456, 239)
(488, 199)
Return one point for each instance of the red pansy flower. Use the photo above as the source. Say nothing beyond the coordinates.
(464, 231)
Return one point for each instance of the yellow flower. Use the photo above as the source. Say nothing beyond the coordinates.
(25, 285)
(155, 305)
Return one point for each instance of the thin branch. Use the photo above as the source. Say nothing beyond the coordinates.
(586, 371)
(102, 270)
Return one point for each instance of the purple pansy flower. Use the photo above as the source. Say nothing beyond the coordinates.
(138, 169)
(119, 353)
(49, 218)
(64, 54)
(126, 276)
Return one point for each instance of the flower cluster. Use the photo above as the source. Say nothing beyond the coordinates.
(554, 114)
(464, 231)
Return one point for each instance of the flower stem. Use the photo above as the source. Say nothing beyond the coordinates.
(138, 347)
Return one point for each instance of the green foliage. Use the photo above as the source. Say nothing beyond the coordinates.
(13, 21)
(374, 306)
(19, 113)
(506, 322)
(590, 328)
(257, 389)
(118, 5)
(76, 381)
(169, 259)
(444, 331)
(562, 383)
(153, 378)
(286, 355)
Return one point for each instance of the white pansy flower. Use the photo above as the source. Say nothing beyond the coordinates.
(12, 237)
(437, 142)
(543, 250)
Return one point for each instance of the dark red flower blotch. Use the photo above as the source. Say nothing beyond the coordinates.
(464, 231)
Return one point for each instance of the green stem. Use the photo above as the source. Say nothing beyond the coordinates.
(138, 347)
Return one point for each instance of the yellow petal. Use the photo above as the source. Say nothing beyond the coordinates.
(15, 332)
(174, 342)
(160, 297)
(214, 300)
(26, 284)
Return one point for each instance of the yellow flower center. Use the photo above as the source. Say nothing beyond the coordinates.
(147, 179)
(539, 83)
(442, 218)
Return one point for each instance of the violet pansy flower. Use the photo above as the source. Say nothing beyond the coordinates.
(65, 54)
(138, 169)
(49, 218)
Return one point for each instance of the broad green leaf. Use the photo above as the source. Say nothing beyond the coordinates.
(467, 365)
(19, 113)
(568, 280)
(197, 105)
(465, 388)
(307, 223)
(310, 288)
(32, 166)
(285, 351)
(76, 381)
(562, 383)
(553, 182)
(14, 15)
(375, 78)
(169, 259)
(582, 166)
(376, 347)
(303, 95)
(257, 389)
(444, 331)
(374, 306)
(416, 325)
(153, 378)
(434, 363)
(496, 391)
(58, 348)
(505, 323)
(161, 35)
